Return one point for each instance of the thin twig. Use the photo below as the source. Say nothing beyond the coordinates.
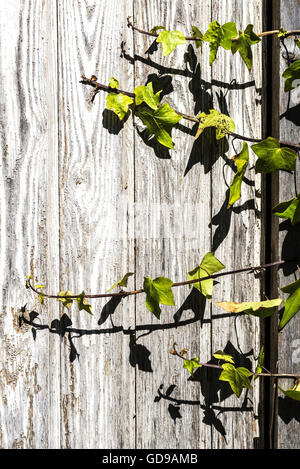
(295, 32)
(212, 365)
(122, 293)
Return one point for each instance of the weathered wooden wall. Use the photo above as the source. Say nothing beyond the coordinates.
(84, 201)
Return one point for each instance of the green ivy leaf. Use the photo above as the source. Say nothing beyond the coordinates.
(294, 392)
(155, 29)
(119, 103)
(67, 302)
(260, 361)
(122, 282)
(214, 118)
(282, 32)
(220, 355)
(238, 378)
(297, 43)
(190, 365)
(83, 304)
(243, 44)
(217, 36)
(262, 309)
(170, 40)
(209, 265)
(197, 33)
(113, 83)
(241, 160)
(289, 209)
(145, 94)
(41, 298)
(292, 76)
(158, 291)
(292, 304)
(272, 157)
(159, 122)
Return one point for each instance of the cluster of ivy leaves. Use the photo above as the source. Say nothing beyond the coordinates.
(238, 377)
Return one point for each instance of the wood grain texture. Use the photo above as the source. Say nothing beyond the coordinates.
(29, 410)
(289, 184)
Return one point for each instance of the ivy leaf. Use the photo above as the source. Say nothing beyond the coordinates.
(119, 103)
(190, 365)
(241, 160)
(122, 282)
(282, 32)
(238, 378)
(261, 309)
(223, 356)
(83, 304)
(197, 33)
(214, 118)
(260, 361)
(297, 42)
(170, 40)
(145, 94)
(41, 298)
(65, 301)
(289, 209)
(243, 44)
(113, 83)
(294, 392)
(159, 122)
(292, 304)
(155, 29)
(272, 157)
(158, 291)
(217, 36)
(209, 265)
(292, 76)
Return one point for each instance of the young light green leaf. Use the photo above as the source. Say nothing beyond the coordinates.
(190, 365)
(214, 118)
(197, 33)
(113, 83)
(241, 160)
(282, 32)
(145, 94)
(243, 44)
(65, 301)
(41, 298)
(238, 378)
(170, 40)
(294, 392)
(259, 364)
(158, 291)
(83, 304)
(122, 282)
(262, 309)
(292, 76)
(217, 36)
(272, 157)
(292, 304)
(289, 209)
(159, 122)
(220, 355)
(155, 29)
(119, 103)
(209, 265)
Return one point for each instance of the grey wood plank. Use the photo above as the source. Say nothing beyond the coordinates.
(236, 237)
(96, 227)
(172, 189)
(288, 341)
(29, 411)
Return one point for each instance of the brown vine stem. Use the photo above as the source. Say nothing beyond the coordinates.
(99, 86)
(219, 367)
(294, 32)
(175, 284)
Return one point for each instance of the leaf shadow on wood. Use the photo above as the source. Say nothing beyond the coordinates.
(213, 391)
(111, 121)
(194, 302)
(292, 114)
(290, 247)
(288, 409)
